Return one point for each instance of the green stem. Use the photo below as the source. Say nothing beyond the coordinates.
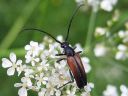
(90, 30)
(19, 52)
(18, 25)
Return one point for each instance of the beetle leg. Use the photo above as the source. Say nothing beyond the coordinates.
(60, 54)
(58, 61)
(74, 47)
(71, 81)
(72, 77)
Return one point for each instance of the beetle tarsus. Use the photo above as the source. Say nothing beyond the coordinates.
(74, 48)
(79, 52)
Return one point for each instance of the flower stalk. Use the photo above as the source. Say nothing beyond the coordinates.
(90, 30)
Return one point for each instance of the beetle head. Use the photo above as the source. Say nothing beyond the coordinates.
(64, 44)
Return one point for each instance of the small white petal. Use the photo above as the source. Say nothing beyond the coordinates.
(37, 59)
(6, 63)
(32, 43)
(27, 47)
(19, 62)
(106, 5)
(100, 50)
(120, 55)
(17, 84)
(23, 79)
(22, 92)
(60, 38)
(13, 57)
(122, 47)
(29, 83)
(38, 84)
(58, 93)
(110, 91)
(121, 34)
(123, 89)
(42, 93)
(44, 82)
(78, 47)
(45, 78)
(11, 71)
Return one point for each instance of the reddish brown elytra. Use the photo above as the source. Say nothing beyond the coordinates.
(75, 64)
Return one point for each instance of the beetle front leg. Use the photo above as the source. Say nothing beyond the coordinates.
(60, 54)
(58, 61)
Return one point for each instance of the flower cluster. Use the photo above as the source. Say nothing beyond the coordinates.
(41, 73)
(122, 48)
(106, 5)
(111, 90)
(106, 40)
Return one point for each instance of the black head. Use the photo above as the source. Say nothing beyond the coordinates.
(64, 45)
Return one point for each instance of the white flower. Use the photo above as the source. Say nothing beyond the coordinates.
(52, 50)
(21, 68)
(100, 50)
(107, 5)
(43, 75)
(94, 4)
(61, 76)
(43, 66)
(78, 47)
(33, 49)
(79, 2)
(25, 85)
(100, 31)
(89, 87)
(86, 64)
(122, 53)
(12, 64)
(50, 87)
(31, 59)
(42, 92)
(71, 92)
(123, 35)
(41, 79)
(60, 38)
(122, 47)
(110, 91)
(124, 90)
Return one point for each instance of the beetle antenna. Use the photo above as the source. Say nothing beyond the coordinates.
(42, 31)
(70, 22)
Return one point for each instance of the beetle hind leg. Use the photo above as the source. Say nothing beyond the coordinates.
(71, 81)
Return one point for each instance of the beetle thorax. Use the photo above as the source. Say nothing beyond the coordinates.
(69, 51)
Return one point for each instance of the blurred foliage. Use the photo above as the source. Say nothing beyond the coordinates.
(53, 16)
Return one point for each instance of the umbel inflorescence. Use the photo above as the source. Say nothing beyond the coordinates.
(40, 72)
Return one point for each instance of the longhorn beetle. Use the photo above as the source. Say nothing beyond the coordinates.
(75, 64)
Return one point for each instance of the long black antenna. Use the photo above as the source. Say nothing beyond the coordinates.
(39, 30)
(70, 22)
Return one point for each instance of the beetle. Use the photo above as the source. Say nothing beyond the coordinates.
(74, 62)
